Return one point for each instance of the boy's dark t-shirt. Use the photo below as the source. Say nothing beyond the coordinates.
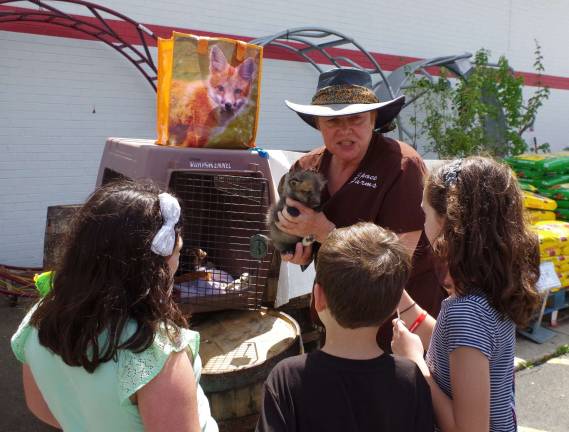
(321, 392)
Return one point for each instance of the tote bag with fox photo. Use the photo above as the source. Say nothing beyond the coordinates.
(208, 92)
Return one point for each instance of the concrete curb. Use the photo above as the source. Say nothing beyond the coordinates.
(530, 353)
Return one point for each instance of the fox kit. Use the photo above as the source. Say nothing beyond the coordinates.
(304, 186)
(199, 110)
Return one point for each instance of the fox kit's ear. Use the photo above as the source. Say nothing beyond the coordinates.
(319, 180)
(247, 69)
(217, 60)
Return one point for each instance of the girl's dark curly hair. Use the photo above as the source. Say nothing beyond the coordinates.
(107, 278)
(485, 237)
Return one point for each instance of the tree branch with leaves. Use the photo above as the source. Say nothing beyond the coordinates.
(482, 114)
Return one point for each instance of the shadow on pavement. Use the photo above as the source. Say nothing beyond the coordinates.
(14, 414)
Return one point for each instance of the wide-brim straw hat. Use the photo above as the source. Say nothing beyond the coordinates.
(347, 91)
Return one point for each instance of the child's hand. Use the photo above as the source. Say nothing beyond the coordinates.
(405, 343)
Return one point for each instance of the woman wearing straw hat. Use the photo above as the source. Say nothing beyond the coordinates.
(369, 178)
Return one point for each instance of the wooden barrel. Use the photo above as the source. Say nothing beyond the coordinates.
(299, 309)
(238, 351)
(56, 229)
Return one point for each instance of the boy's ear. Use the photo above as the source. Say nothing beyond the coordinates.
(320, 302)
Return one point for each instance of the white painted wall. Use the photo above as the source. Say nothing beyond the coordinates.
(51, 141)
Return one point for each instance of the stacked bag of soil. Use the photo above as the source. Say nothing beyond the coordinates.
(539, 208)
(554, 246)
(546, 174)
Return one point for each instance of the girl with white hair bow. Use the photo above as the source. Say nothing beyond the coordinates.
(107, 348)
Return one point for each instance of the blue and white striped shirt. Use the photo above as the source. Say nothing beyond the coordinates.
(470, 321)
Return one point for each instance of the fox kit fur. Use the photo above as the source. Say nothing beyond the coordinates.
(202, 109)
(304, 186)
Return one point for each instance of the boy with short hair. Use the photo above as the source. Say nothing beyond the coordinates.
(351, 384)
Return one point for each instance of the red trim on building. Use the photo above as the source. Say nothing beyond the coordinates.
(388, 62)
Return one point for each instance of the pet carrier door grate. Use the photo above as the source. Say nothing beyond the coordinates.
(221, 213)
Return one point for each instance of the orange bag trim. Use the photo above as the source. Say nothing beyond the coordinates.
(165, 58)
(240, 50)
(251, 143)
(202, 45)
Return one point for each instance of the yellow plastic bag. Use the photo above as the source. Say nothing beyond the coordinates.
(560, 262)
(558, 268)
(208, 92)
(549, 251)
(552, 235)
(540, 215)
(564, 279)
(535, 201)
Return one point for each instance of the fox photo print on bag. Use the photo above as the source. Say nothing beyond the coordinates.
(205, 100)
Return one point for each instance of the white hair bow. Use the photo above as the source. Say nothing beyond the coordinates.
(165, 239)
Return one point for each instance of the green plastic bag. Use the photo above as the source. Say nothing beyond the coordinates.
(559, 191)
(549, 181)
(562, 214)
(551, 162)
(527, 186)
(564, 204)
(529, 174)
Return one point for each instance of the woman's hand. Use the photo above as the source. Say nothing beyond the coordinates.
(308, 222)
(302, 255)
(406, 344)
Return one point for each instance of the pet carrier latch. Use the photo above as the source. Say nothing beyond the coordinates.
(258, 246)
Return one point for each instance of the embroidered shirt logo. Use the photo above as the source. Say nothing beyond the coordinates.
(366, 180)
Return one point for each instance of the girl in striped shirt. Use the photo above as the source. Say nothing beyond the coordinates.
(475, 222)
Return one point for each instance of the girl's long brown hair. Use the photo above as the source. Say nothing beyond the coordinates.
(485, 237)
(108, 277)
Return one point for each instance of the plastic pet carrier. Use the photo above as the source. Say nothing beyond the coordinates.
(224, 195)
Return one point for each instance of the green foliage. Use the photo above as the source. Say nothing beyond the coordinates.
(484, 114)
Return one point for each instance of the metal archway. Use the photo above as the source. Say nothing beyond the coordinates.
(313, 43)
(96, 22)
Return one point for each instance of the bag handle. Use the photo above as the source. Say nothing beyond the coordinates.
(202, 45)
(240, 51)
